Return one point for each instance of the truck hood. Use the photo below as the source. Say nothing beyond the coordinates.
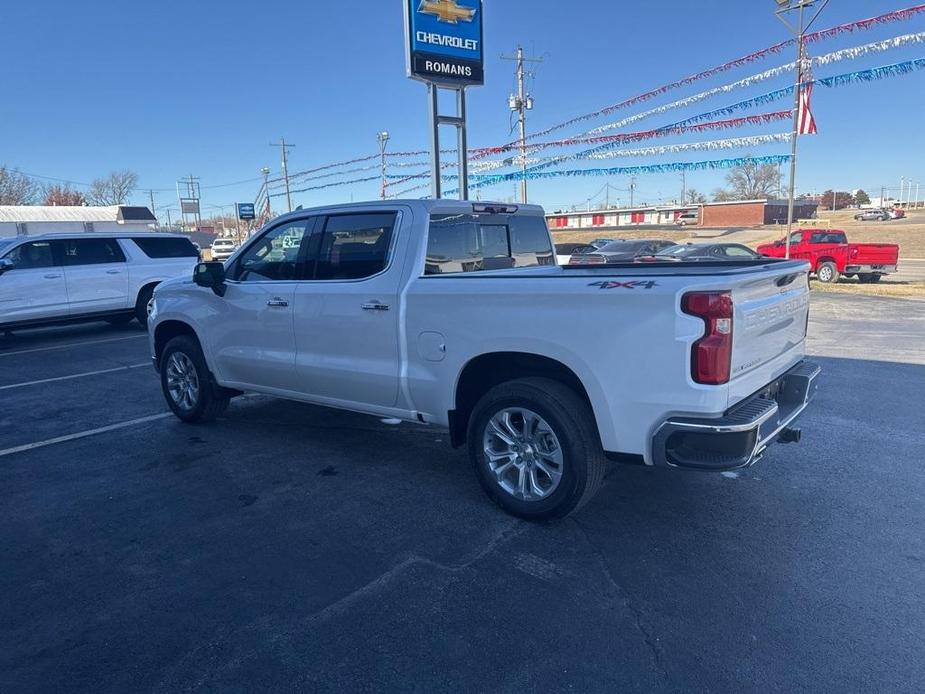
(173, 284)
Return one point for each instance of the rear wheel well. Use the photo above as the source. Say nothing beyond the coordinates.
(489, 370)
(168, 330)
(141, 291)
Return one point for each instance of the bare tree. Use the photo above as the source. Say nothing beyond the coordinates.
(113, 189)
(752, 181)
(16, 188)
(695, 197)
(63, 195)
(720, 195)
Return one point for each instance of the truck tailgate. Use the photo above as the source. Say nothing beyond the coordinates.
(769, 328)
(873, 254)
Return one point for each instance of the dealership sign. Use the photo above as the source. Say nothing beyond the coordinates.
(246, 211)
(445, 41)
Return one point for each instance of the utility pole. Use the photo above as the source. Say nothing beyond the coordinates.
(799, 30)
(632, 190)
(383, 139)
(916, 205)
(169, 223)
(151, 194)
(266, 187)
(520, 103)
(882, 196)
(284, 148)
(834, 198)
(683, 186)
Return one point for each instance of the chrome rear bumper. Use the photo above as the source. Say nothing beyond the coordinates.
(738, 438)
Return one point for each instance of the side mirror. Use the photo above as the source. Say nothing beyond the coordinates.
(5, 265)
(211, 275)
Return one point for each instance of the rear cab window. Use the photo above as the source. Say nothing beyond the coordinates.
(472, 242)
(354, 246)
(166, 247)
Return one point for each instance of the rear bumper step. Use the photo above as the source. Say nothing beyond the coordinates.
(739, 437)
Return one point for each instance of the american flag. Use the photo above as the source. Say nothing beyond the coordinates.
(806, 123)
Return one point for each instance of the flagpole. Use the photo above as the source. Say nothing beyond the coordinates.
(794, 137)
(783, 7)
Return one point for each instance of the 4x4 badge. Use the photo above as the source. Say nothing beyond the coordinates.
(613, 284)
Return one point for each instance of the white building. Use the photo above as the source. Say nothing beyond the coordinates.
(31, 220)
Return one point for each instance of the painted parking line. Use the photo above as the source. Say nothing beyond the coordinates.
(72, 344)
(83, 434)
(68, 378)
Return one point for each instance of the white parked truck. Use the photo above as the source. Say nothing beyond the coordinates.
(454, 314)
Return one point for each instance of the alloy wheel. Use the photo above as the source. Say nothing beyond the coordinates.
(523, 453)
(182, 381)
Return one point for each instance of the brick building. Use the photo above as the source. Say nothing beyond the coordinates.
(738, 213)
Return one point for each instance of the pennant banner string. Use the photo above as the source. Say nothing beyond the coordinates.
(850, 27)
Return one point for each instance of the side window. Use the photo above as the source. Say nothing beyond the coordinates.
(471, 243)
(32, 255)
(355, 246)
(274, 257)
(737, 252)
(91, 251)
(166, 247)
(796, 237)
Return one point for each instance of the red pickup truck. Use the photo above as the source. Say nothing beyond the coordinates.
(831, 256)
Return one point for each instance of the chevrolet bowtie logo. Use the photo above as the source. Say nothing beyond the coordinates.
(448, 11)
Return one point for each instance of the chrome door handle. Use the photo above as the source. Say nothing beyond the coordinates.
(52, 277)
(278, 303)
(375, 306)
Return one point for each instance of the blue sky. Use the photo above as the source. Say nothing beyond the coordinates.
(172, 88)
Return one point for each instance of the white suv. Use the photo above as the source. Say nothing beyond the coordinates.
(58, 278)
(223, 249)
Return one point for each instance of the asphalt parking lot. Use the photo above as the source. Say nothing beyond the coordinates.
(288, 547)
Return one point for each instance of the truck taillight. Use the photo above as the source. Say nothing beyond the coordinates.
(711, 355)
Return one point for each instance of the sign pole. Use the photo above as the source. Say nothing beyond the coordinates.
(462, 145)
(433, 98)
(444, 42)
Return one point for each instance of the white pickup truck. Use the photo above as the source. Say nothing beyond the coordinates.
(454, 314)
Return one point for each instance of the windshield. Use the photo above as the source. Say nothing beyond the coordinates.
(5, 244)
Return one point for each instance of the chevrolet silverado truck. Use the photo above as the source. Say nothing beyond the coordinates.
(454, 314)
(831, 256)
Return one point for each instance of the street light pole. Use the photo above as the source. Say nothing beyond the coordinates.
(799, 31)
(383, 139)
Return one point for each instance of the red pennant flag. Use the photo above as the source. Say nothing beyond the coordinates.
(806, 124)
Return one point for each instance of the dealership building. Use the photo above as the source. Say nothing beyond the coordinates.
(742, 213)
(32, 220)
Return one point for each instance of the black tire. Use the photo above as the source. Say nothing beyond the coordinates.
(141, 305)
(875, 278)
(570, 419)
(123, 319)
(827, 273)
(210, 401)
